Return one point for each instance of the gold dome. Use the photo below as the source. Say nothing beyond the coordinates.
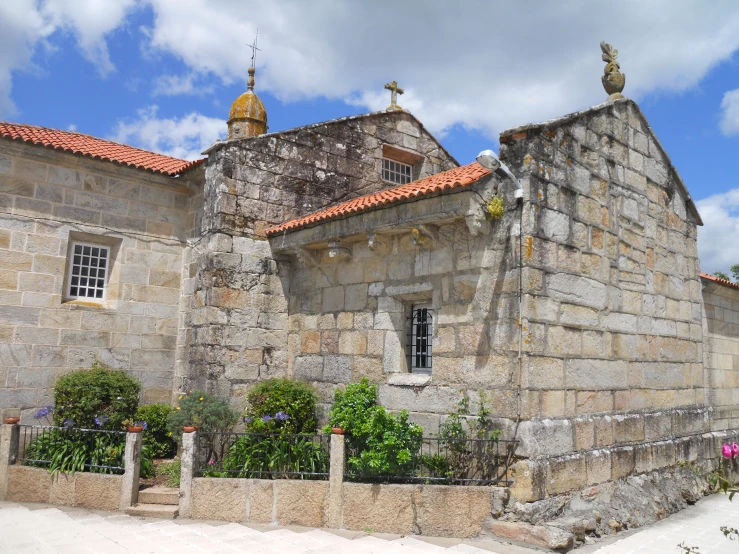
(247, 117)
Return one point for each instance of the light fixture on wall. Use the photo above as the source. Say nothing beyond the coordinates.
(489, 160)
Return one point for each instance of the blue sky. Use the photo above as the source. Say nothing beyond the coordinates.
(161, 74)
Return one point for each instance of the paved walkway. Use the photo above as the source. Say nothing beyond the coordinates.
(37, 528)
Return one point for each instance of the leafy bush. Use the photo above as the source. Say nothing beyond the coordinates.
(95, 398)
(156, 436)
(204, 411)
(380, 443)
(69, 450)
(172, 471)
(251, 455)
(281, 406)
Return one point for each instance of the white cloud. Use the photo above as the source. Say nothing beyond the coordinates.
(173, 85)
(717, 246)
(485, 65)
(730, 112)
(184, 137)
(71, 127)
(24, 24)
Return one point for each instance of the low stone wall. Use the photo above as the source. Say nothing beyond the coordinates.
(435, 510)
(88, 490)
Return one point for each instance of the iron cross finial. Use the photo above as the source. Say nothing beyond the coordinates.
(252, 69)
(394, 91)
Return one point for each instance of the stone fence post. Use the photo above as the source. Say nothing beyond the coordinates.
(132, 468)
(187, 460)
(336, 481)
(9, 435)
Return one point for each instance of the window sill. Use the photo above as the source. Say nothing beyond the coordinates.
(86, 304)
(410, 379)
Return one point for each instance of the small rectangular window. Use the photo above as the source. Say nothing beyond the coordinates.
(88, 271)
(420, 338)
(396, 172)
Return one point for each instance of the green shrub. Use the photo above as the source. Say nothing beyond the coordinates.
(156, 436)
(252, 455)
(281, 406)
(70, 450)
(380, 443)
(204, 411)
(95, 398)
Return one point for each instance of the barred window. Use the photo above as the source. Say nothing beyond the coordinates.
(420, 336)
(88, 271)
(396, 172)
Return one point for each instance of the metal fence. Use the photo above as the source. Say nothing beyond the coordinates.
(70, 449)
(439, 461)
(258, 456)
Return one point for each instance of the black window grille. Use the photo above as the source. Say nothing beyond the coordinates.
(88, 270)
(420, 336)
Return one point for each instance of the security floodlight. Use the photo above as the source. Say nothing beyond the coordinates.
(489, 160)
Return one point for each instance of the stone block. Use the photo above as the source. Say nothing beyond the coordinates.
(622, 462)
(260, 501)
(219, 499)
(577, 290)
(333, 299)
(596, 374)
(63, 489)
(540, 535)
(28, 484)
(337, 369)
(352, 342)
(628, 428)
(98, 491)
(431, 399)
(598, 466)
(555, 225)
(301, 502)
(308, 368)
(370, 368)
(541, 372)
(382, 508)
(564, 340)
(310, 342)
(545, 437)
(356, 297)
(451, 511)
(566, 474)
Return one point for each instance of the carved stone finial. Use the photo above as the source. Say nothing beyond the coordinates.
(394, 91)
(613, 80)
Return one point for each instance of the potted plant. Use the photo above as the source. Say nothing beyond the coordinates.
(189, 428)
(133, 426)
(337, 430)
(12, 420)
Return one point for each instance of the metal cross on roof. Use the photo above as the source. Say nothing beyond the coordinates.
(254, 49)
(394, 91)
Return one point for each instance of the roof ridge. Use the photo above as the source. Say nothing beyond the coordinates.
(719, 280)
(439, 182)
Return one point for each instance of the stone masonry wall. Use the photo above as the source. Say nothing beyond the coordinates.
(349, 320)
(239, 307)
(613, 306)
(721, 352)
(46, 197)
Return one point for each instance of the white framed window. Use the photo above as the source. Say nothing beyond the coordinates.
(89, 268)
(397, 173)
(420, 339)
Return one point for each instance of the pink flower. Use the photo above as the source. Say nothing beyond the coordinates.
(726, 450)
(212, 460)
(735, 449)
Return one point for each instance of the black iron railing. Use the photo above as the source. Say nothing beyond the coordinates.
(69, 449)
(258, 456)
(440, 461)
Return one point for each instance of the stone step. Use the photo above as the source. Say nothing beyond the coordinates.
(161, 511)
(159, 495)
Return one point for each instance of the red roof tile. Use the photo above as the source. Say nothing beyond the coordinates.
(77, 143)
(719, 280)
(454, 178)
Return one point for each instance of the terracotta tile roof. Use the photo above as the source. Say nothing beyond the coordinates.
(454, 178)
(719, 280)
(86, 145)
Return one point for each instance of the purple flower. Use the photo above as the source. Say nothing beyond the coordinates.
(142, 424)
(69, 423)
(101, 420)
(281, 416)
(266, 418)
(248, 420)
(43, 412)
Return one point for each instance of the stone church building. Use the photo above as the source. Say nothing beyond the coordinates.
(360, 247)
